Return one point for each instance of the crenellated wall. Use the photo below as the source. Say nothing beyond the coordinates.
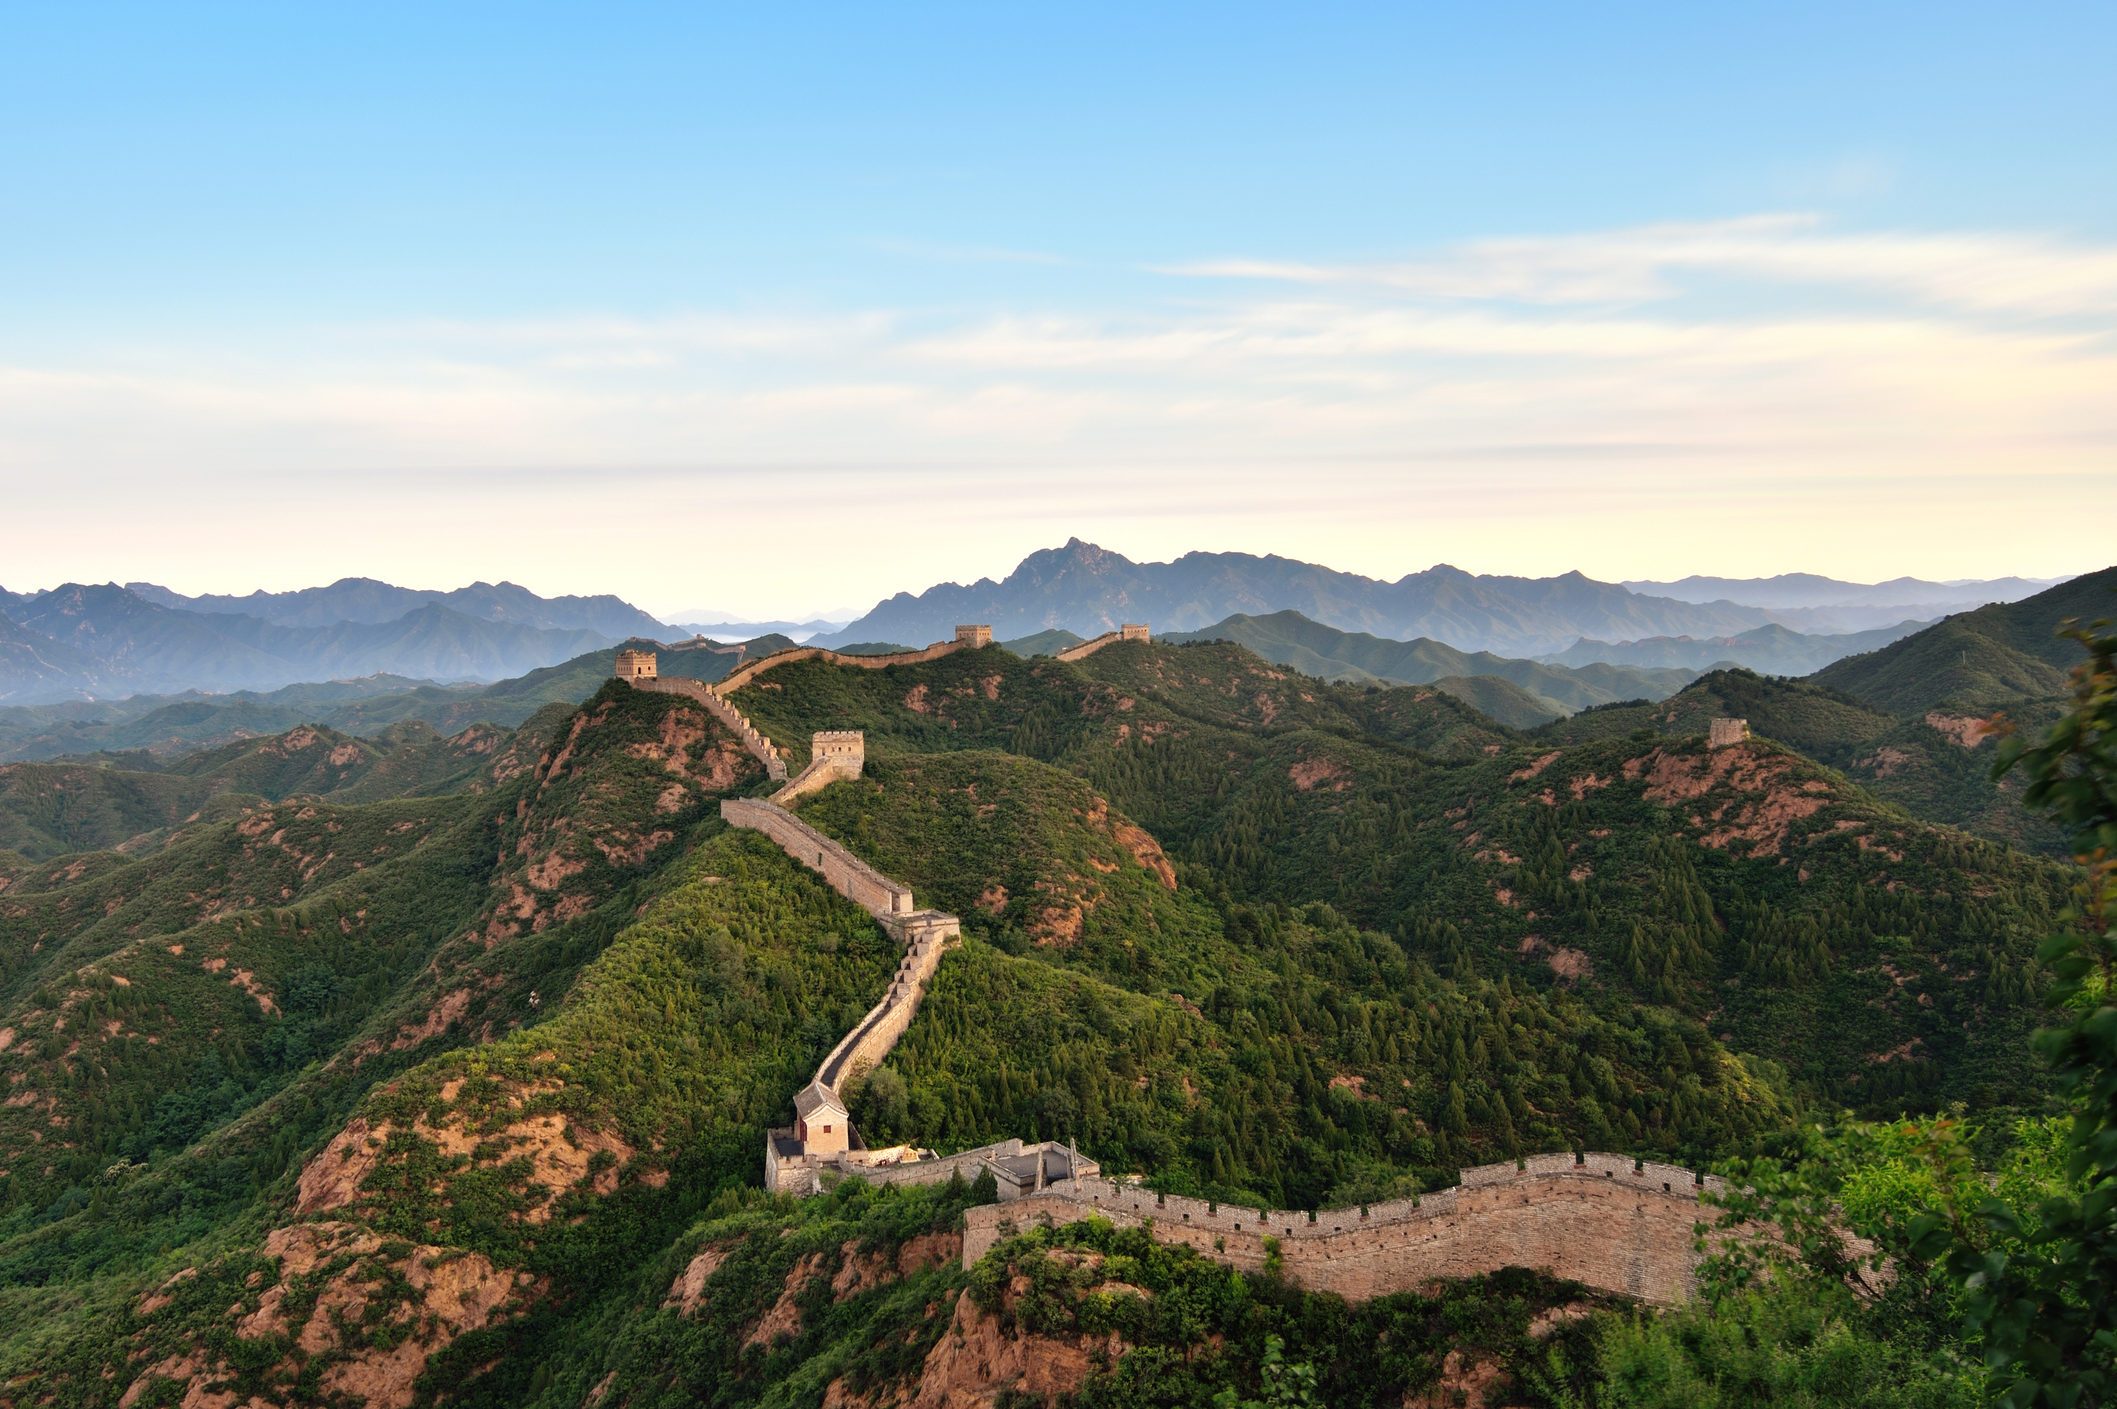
(1130, 631)
(873, 1036)
(841, 870)
(1608, 1221)
(1598, 1219)
(736, 679)
(698, 691)
(833, 754)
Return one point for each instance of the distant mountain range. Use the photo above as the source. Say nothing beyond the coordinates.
(1979, 659)
(1770, 650)
(79, 641)
(1539, 692)
(365, 601)
(1086, 590)
(1809, 602)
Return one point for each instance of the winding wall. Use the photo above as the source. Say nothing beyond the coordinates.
(698, 691)
(1599, 1219)
(841, 870)
(1130, 631)
(743, 675)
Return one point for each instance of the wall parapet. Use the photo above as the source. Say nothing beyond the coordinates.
(841, 870)
(729, 716)
(967, 638)
(1129, 631)
(1606, 1220)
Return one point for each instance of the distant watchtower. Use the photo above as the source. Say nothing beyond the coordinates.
(973, 636)
(1723, 732)
(1133, 631)
(635, 665)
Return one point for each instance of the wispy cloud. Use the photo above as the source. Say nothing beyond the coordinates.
(2040, 276)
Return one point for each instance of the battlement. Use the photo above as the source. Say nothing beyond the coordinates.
(636, 665)
(1606, 1220)
(732, 718)
(1722, 732)
(841, 745)
(1129, 631)
(973, 636)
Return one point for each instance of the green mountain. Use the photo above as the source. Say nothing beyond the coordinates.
(1980, 659)
(1544, 691)
(458, 1096)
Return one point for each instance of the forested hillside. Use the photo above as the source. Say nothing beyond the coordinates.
(378, 1082)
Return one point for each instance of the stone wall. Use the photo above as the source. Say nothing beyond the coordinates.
(730, 717)
(833, 754)
(841, 870)
(1599, 1220)
(934, 1171)
(873, 1036)
(1130, 631)
(745, 674)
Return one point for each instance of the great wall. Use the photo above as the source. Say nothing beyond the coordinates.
(1607, 1221)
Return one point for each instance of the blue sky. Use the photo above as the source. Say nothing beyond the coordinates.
(438, 292)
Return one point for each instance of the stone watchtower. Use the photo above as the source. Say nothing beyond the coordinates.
(635, 665)
(844, 749)
(1723, 732)
(1133, 631)
(973, 636)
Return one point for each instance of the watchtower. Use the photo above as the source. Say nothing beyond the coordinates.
(820, 1121)
(973, 636)
(844, 749)
(635, 665)
(1133, 631)
(1723, 732)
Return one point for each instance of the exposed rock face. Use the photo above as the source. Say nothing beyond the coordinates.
(559, 1157)
(427, 1296)
(688, 1292)
(983, 1354)
(1764, 803)
(1965, 731)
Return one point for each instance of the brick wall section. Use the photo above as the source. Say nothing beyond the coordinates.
(820, 773)
(743, 675)
(1130, 631)
(1723, 732)
(759, 746)
(841, 870)
(1600, 1222)
(873, 1036)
